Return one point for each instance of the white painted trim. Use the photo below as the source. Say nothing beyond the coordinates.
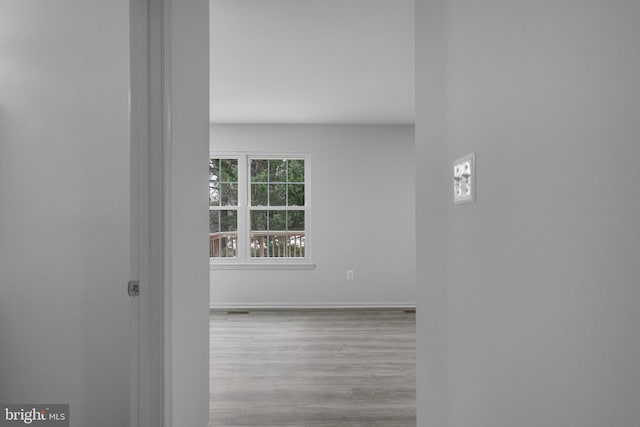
(138, 125)
(265, 155)
(262, 266)
(147, 200)
(285, 306)
(167, 249)
(185, 126)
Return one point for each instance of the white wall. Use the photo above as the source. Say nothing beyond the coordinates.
(433, 211)
(186, 314)
(362, 217)
(64, 207)
(541, 323)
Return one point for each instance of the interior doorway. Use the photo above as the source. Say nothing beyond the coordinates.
(328, 87)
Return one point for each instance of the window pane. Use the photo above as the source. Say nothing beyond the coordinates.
(259, 244)
(277, 194)
(214, 234)
(296, 171)
(259, 194)
(277, 221)
(229, 194)
(268, 245)
(214, 221)
(214, 193)
(223, 237)
(295, 234)
(295, 220)
(214, 169)
(277, 234)
(295, 244)
(277, 245)
(229, 169)
(214, 182)
(259, 170)
(229, 245)
(229, 220)
(268, 234)
(259, 220)
(296, 194)
(259, 240)
(277, 170)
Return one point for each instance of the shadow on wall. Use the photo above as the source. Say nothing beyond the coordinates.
(5, 161)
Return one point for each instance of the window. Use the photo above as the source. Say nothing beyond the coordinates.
(223, 208)
(258, 209)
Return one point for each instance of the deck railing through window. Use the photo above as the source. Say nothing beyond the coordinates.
(263, 244)
(223, 245)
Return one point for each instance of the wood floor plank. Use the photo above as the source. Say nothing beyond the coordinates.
(316, 368)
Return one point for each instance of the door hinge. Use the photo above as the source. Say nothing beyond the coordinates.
(133, 288)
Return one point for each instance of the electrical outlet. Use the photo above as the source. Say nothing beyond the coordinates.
(350, 275)
(464, 179)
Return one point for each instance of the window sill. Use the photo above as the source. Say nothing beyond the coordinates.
(261, 266)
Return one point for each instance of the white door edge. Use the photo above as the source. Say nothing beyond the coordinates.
(148, 130)
(170, 45)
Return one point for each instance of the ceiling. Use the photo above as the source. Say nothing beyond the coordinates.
(312, 61)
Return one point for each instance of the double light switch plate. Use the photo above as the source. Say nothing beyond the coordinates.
(464, 179)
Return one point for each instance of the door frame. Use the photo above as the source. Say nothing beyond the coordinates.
(146, 123)
(169, 43)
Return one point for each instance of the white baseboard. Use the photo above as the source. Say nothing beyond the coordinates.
(311, 306)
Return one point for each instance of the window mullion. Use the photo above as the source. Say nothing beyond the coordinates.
(242, 211)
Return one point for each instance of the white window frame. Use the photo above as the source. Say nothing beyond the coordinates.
(243, 260)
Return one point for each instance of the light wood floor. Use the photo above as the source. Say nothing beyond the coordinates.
(324, 368)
